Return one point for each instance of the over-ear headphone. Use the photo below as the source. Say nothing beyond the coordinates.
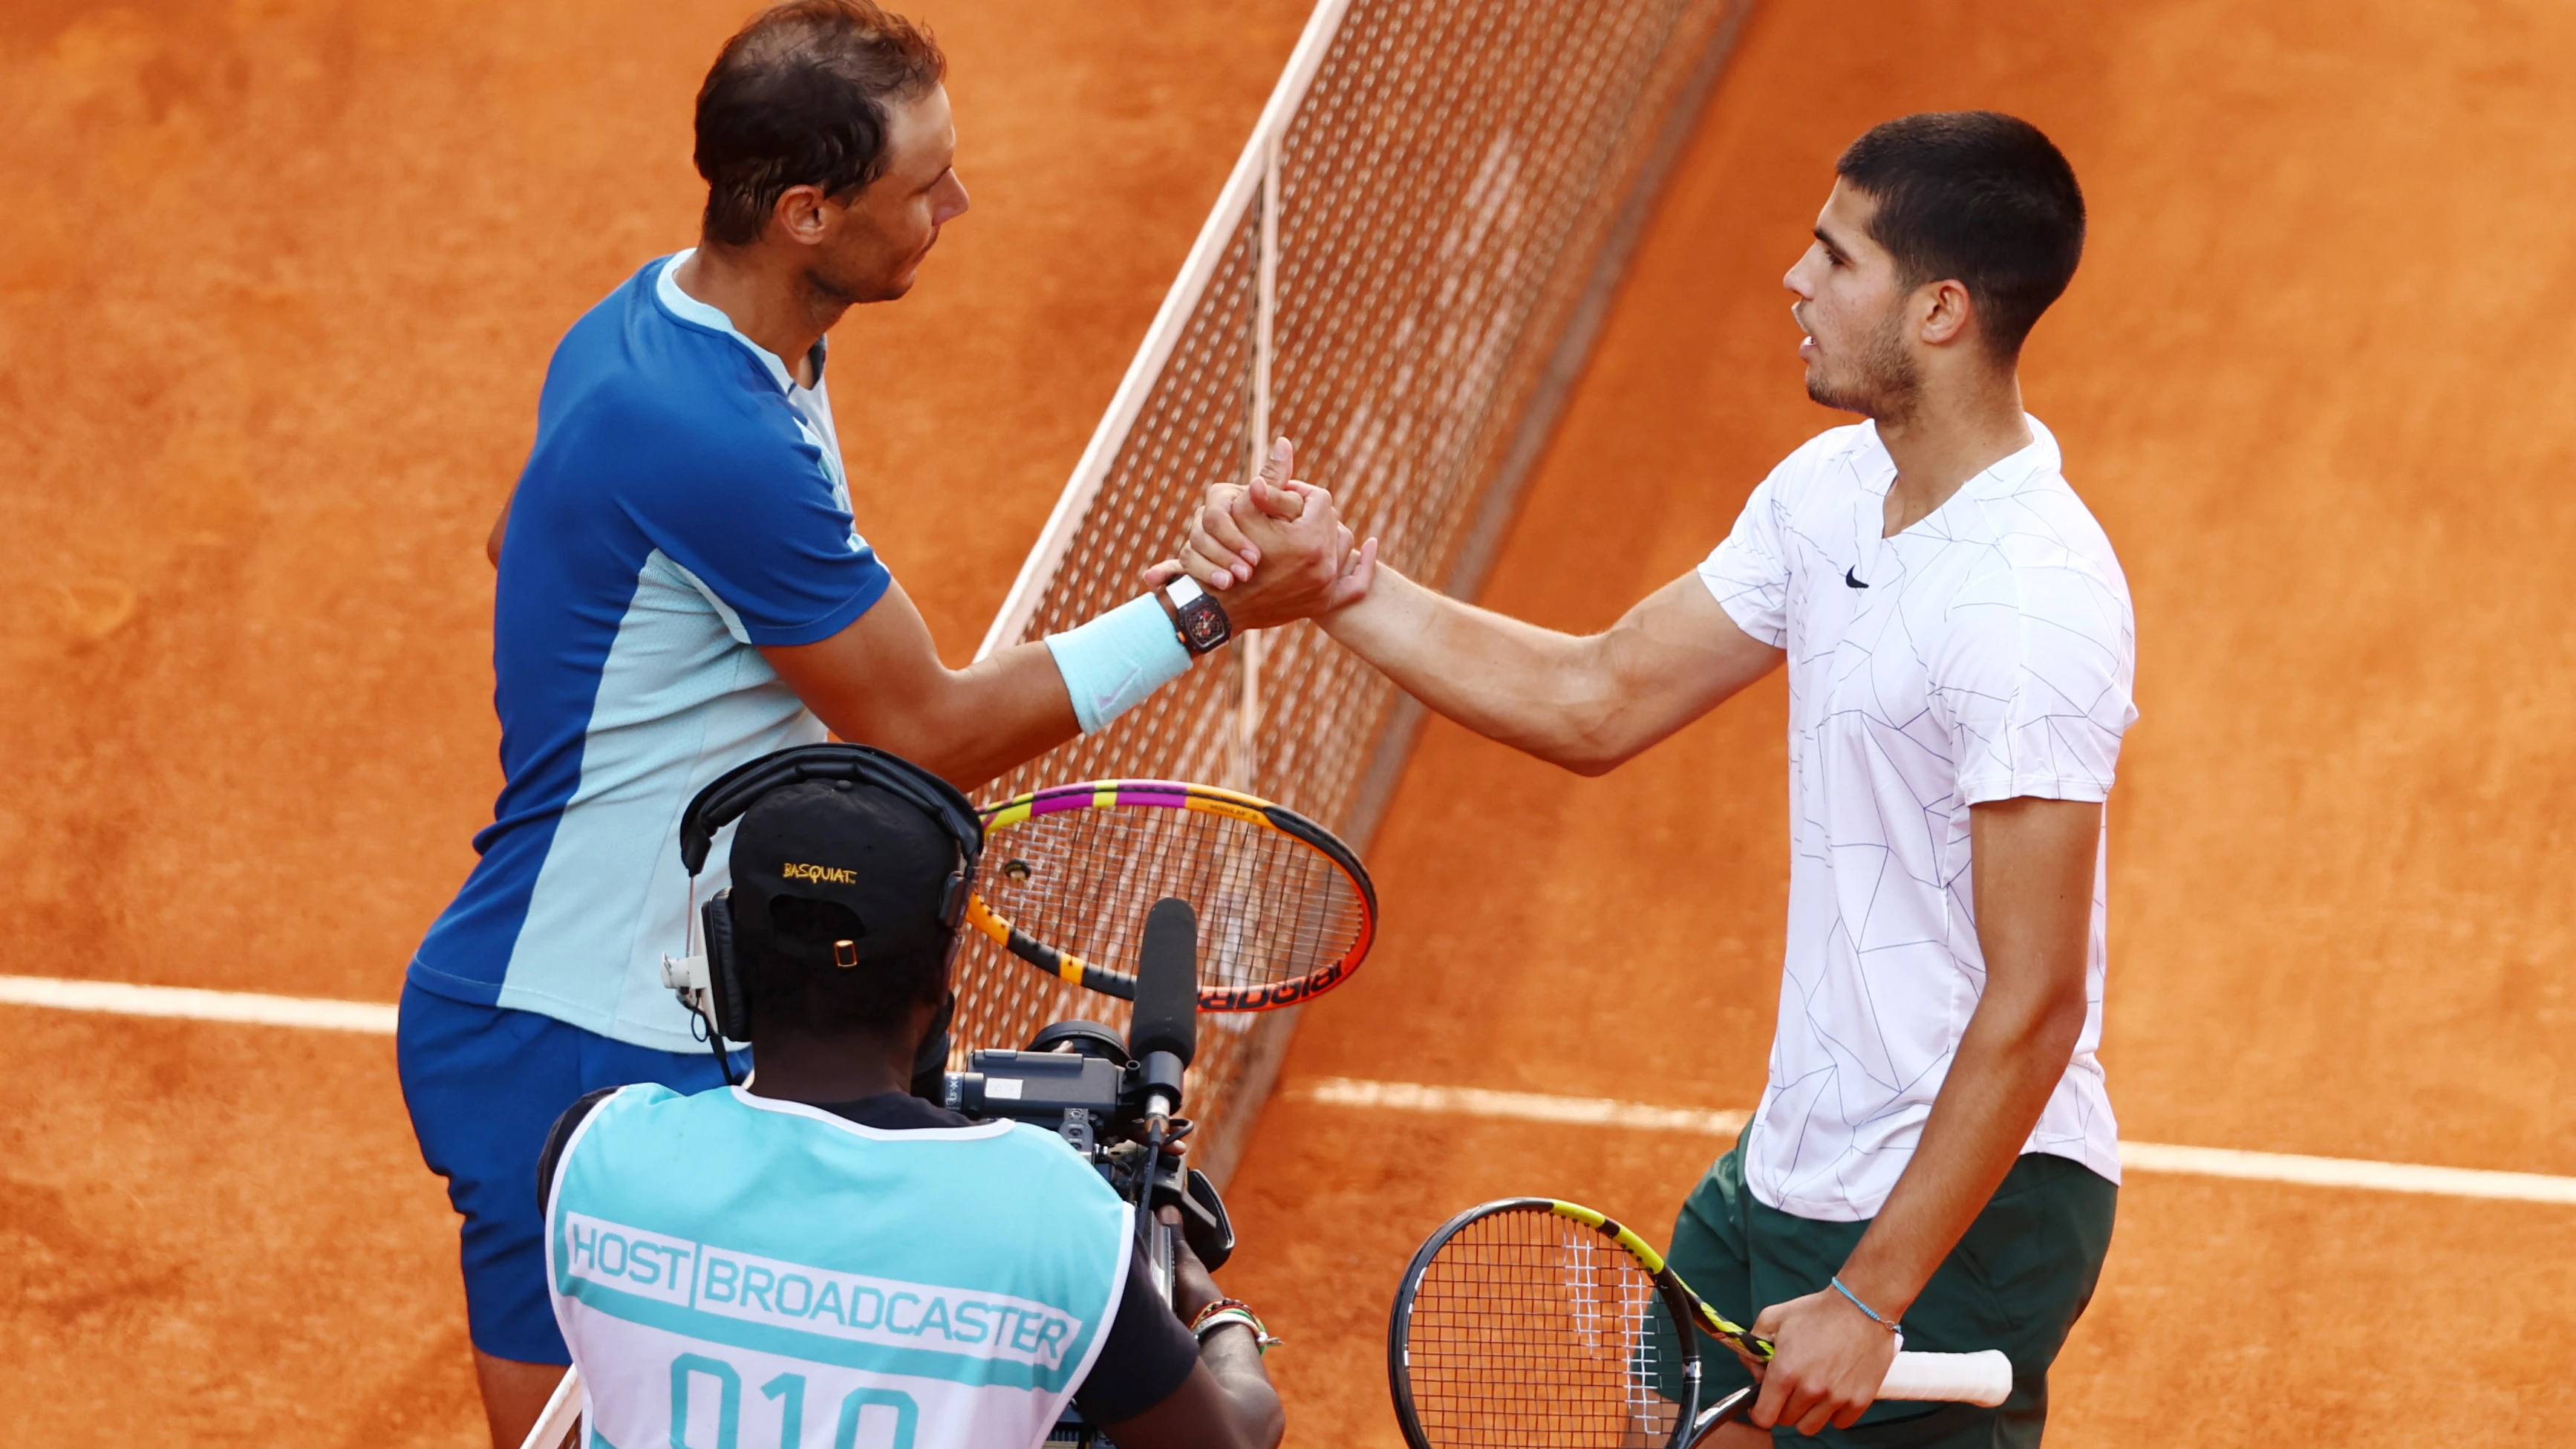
(713, 985)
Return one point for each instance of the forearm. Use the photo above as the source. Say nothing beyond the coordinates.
(2010, 1059)
(880, 682)
(1585, 702)
(1531, 688)
(2032, 863)
(969, 725)
(1233, 1358)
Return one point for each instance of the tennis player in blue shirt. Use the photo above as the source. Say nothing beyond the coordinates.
(683, 588)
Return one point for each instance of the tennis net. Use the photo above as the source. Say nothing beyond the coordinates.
(1403, 273)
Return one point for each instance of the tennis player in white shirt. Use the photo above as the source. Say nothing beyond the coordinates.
(1935, 1148)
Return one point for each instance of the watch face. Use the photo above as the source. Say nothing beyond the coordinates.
(1203, 624)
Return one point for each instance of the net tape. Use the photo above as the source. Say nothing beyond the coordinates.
(1427, 204)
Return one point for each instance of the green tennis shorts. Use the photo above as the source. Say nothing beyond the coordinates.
(2017, 1281)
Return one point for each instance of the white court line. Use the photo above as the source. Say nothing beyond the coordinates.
(191, 1003)
(2141, 1156)
(196, 1005)
(1520, 1106)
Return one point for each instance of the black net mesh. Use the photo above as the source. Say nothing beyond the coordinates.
(1448, 189)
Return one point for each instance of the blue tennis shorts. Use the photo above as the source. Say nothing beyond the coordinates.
(484, 1084)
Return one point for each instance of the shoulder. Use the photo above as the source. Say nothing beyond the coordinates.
(2042, 551)
(1820, 472)
(1835, 455)
(633, 381)
(2044, 596)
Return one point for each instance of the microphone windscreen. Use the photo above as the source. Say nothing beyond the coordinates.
(1167, 983)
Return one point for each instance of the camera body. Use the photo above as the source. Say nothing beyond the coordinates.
(1077, 1079)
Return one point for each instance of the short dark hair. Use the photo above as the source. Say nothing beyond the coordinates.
(827, 999)
(798, 97)
(1976, 196)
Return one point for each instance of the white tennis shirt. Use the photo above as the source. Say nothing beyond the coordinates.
(1982, 654)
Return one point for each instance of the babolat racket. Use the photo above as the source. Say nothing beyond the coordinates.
(1070, 872)
(1539, 1324)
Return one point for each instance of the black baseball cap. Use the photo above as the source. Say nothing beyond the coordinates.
(868, 851)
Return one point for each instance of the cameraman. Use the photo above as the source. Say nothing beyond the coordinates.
(823, 1247)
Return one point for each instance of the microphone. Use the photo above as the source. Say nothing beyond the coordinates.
(1164, 1034)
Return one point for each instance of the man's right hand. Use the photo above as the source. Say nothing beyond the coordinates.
(1276, 550)
(1227, 1401)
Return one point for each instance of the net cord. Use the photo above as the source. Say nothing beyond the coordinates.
(1241, 247)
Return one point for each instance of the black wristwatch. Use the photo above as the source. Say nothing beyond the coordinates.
(1196, 616)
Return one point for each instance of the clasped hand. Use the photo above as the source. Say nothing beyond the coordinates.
(1273, 551)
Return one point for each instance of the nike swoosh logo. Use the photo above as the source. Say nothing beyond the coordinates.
(1853, 579)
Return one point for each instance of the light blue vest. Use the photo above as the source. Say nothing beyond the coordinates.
(734, 1272)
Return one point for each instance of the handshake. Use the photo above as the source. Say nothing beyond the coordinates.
(1274, 552)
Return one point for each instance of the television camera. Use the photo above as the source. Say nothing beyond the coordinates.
(1116, 1101)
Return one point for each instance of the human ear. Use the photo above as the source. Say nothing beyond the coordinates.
(799, 214)
(1946, 310)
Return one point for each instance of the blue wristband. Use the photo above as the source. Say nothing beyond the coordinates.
(1863, 1307)
(1110, 664)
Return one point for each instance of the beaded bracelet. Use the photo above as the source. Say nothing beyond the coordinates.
(1232, 1310)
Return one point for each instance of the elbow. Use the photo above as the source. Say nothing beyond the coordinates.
(2036, 1024)
(1272, 1426)
(2057, 1022)
(1590, 764)
(1592, 751)
(1590, 743)
(2066, 1019)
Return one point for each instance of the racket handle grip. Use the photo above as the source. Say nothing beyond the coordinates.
(1984, 1377)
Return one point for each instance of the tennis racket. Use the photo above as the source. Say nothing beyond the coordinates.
(1540, 1324)
(1069, 873)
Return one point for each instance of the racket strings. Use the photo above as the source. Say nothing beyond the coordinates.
(1530, 1330)
(1271, 908)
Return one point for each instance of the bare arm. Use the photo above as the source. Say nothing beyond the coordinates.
(1586, 702)
(2034, 863)
(500, 525)
(1227, 1401)
(880, 682)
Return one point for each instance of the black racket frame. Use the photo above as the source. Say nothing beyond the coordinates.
(1690, 1425)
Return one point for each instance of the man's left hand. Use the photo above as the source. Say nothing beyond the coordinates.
(1828, 1362)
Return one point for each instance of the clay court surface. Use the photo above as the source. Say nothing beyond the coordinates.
(277, 284)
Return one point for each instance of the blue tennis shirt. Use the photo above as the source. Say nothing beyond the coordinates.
(684, 505)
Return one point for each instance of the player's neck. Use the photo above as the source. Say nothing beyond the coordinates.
(766, 298)
(799, 1067)
(1958, 427)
